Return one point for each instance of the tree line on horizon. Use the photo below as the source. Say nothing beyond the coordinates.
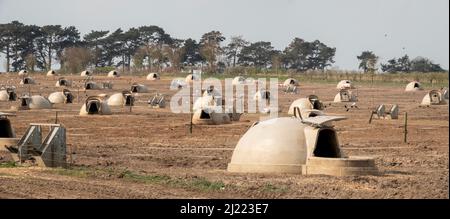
(150, 48)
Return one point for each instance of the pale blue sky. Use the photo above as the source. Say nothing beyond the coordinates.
(415, 27)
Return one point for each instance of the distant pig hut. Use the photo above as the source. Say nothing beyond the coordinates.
(7, 134)
(177, 84)
(291, 82)
(64, 96)
(345, 84)
(121, 99)
(413, 86)
(208, 116)
(113, 74)
(309, 107)
(51, 73)
(62, 82)
(191, 78)
(345, 96)
(34, 102)
(262, 94)
(138, 88)
(434, 97)
(23, 72)
(8, 94)
(153, 76)
(238, 80)
(27, 80)
(95, 105)
(91, 85)
(86, 73)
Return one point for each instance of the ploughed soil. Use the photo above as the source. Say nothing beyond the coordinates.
(150, 153)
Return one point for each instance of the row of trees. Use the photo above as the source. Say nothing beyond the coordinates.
(368, 63)
(150, 48)
(32, 46)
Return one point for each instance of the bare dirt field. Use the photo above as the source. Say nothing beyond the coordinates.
(149, 153)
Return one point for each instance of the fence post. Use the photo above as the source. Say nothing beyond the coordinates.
(370, 119)
(190, 124)
(405, 128)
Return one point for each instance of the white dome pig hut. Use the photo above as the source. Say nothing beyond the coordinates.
(210, 98)
(238, 80)
(445, 93)
(413, 86)
(345, 96)
(211, 91)
(207, 101)
(27, 80)
(262, 94)
(95, 105)
(7, 134)
(51, 73)
(208, 116)
(64, 96)
(62, 82)
(250, 80)
(113, 74)
(34, 102)
(309, 107)
(177, 84)
(214, 115)
(90, 85)
(153, 76)
(345, 84)
(291, 85)
(8, 94)
(291, 82)
(138, 88)
(433, 97)
(121, 99)
(86, 73)
(191, 78)
(23, 72)
(292, 145)
(209, 109)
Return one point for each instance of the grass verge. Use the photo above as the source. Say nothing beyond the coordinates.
(10, 164)
(197, 183)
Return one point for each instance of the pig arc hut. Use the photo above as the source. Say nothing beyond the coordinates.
(34, 102)
(85, 73)
(113, 74)
(63, 82)
(238, 80)
(434, 97)
(153, 76)
(95, 105)
(8, 94)
(125, 98)
(413, 86)
(309, 107)
(345, 84)
(7, 134)
(64, 96)
(51, 73)
(23, 72)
